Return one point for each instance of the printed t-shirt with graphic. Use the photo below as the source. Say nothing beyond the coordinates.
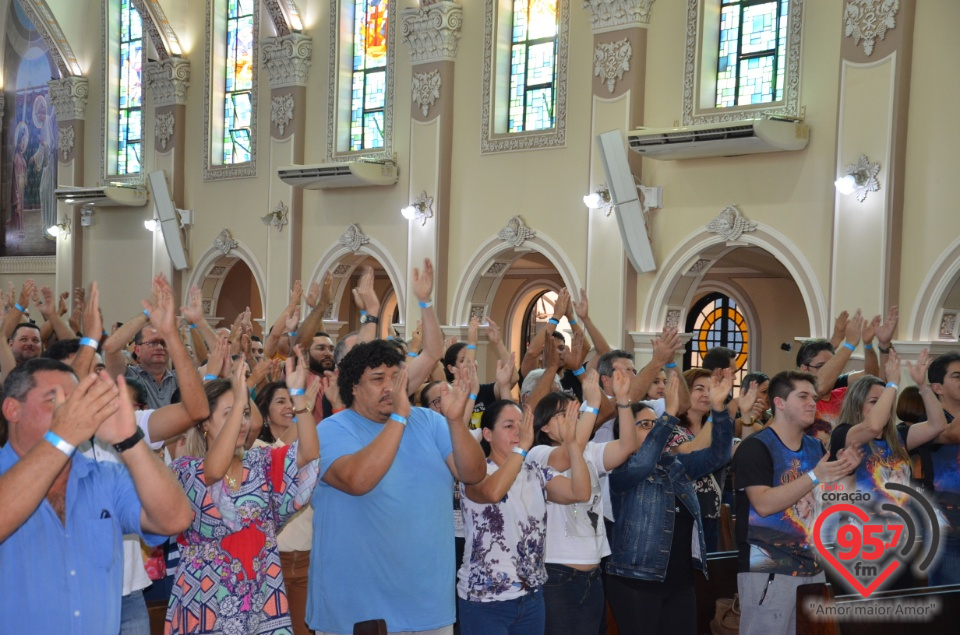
(781, 542)
(940, 470)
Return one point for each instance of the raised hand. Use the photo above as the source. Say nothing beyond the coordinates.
(720, 386)
(296, 369)
(840, 327)
(918, 371)
(216, 357)
(870, 329)
(892, 367)
(193, 311)
(453, 399)
(401, 403)
(828, 471)
(364, 295)
(505, 370)
(568, 423)
(562, 303)
(92, 318)
(666, 346)
(26, 292)
(257, 374)
(551, 355)
(62, 305)
(590, 382)
(313, 295)
(162, 313)
(671, 393)
(886, 330)
(583, 306)
(296, 294)
(748, 398)
(526, 428)
(293, 320)
(493, 332)
(473, 330)
(76, 419)
(47, 304)
(578, 350)
(423, 282)
(621, 385)
(331, 390)
(416, 341)
(854, 329)
(122, 423)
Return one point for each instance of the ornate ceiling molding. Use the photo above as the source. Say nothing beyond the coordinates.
(287, 59)
(608, 15)
(869, 21)
(432, 32)
(52, 35)
(158, 28)
(69, 97)
(168, 81)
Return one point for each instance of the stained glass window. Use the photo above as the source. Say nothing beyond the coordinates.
(716, 321)
(533, 68)
(237, 98)
(369, 81)
(130, 106)
(752, 57)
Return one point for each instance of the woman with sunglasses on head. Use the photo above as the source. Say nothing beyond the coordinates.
(241, 499)
(576, 537)
(658, 536)
(505, 515)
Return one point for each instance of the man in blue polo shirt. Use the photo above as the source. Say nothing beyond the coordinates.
(383, 529)
(61, 560)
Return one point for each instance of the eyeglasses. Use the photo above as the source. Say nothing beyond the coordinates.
(154, 344)
(434, 403)
(646, 424)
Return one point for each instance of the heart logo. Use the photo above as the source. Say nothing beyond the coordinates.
(878, 548)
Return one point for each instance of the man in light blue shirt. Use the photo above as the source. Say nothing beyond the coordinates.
(383, 523)
(61, 561)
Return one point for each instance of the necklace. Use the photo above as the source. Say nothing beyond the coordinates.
(231, 481)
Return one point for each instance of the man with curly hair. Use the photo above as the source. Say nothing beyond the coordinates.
(382, 529)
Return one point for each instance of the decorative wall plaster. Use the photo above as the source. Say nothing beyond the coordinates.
(497, 268)
(217, 272)
(224, 242)
(790, 105)
(493, 141)
(949, 322)
(353, 239)
(28, 264)
(478, 311)
(869, 20)
(611, 60)
(432, 32)
(164, 127)
(158, 28)
(864, 176)
(730, 224)
(68, 96)
(284, 15)
(426, 90)
(516, 232)
(213, 170)
(699, 266)
(673, 319)
(65, 141)
(168, 81)
(287, 59)
(340, 84)
(206, 305)
(278, 216)
(342, 270)
(608, 15)
(52, 35)
(281, 110)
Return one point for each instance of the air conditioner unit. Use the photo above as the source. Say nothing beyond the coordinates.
(106, 196)
(750, 136)
(331, 175)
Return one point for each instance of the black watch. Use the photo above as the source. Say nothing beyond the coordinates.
(128, 443)
(369, 319)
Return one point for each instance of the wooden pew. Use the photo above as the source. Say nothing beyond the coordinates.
(722, 583)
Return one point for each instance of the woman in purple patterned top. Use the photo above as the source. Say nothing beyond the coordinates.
(505, 520)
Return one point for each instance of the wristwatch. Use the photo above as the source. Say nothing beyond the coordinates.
(369, 319)
(128, 443)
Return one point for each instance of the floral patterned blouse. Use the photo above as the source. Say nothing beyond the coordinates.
(503, 556)
(229, 579)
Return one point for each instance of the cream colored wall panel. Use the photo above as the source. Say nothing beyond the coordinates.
(117, 254)
(866, 111)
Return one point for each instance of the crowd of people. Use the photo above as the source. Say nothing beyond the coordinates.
(294, 484)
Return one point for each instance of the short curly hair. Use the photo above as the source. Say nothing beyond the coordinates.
(361, 357)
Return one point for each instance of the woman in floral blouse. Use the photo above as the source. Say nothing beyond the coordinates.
(505, 521)
(229, 580)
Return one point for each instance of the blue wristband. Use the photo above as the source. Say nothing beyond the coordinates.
(209, 377)
(426, 305)
(520, 451)
(813, 477)
(471, 347)
(670, 365)
(589, 409)
(580, 371)
(401, 420)
(193, 326)
(868, 347)
(411, 354)
(89, 341)
(146, 314)
(850, 346)
(554, 321)
(893, 385)
(473, 397)
(362, 312)
(293, 333)
(572, 321)
(55, 440)
(296, 392)
(22, 310)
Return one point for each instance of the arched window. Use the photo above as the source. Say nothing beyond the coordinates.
(129, 122)
(535, 316)
(715, 320)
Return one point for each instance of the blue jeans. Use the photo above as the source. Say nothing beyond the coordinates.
(573, 600)
(947, 568)
(134, 619)
(521, 616)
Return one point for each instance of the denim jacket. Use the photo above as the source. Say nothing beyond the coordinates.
(643, 489)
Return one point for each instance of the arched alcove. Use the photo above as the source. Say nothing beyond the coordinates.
(212, 271)
(938, 299)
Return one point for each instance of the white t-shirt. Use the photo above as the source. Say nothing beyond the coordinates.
(575, 533)
(134, 575)
(604, 434)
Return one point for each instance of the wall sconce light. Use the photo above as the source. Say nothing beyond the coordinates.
(277, 217)
(859, 178)
(86, 216)
(421, 209)
(151, 224)
(60, 229)
(600, 199)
